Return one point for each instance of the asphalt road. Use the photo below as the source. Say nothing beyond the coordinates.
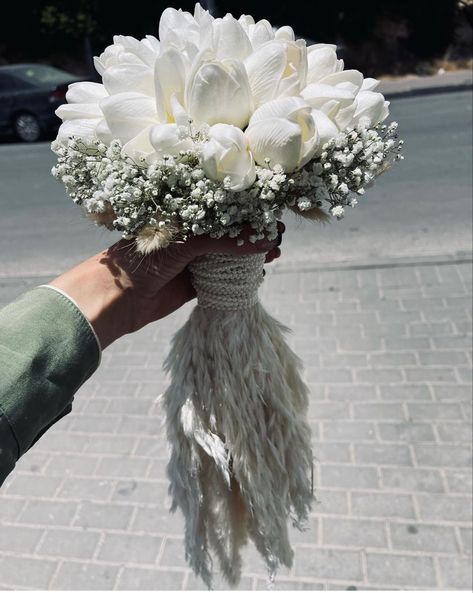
(421, 207)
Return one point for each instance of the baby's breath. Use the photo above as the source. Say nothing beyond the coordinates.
(174, 192)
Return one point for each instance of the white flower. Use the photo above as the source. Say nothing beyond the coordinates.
(81, 114)
(277, 68)
(370, 108)
(128, 114)
(284, 132)
(218, 92)
(167, 140)
(322, 61)
(227, 154)
(127, 50)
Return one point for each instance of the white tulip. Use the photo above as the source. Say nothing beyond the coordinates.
(335, 102)
(85, 92)
(277, 68)
(322, 61)
(230, 40)
(370, 108)
(350, 80)
(127, 114)
(369, 84)
(283, 131)
(285, 33)
(128, 50)
(218, 92)
(258, 33)
(178, 28)
(167, 139)
(82, 114)
(170, 79)
(226, 154)
(123, 78)
(326, 128)
(140, 147)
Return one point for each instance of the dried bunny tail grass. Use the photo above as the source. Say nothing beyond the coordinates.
(316, 214)
(151, 238)
(104, 218)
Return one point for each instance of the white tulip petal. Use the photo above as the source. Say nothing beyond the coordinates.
(286, 33)
(371, 108)
(286, 107)
(152, 43)
(103, 132)
(85, 92)
(369, 84)
(170, 77)
(129, 78)
(219, 93)
(277, 139)
(260, 33)
(139, 147)
(83, 128)
(246, 21)
(127, 114)
(344, 117)
(317, 46)
(136, 47)
(79, 111)
(326, 128)
(231, 39)
(226, 154)
(99, 65)
(179, 114)
(350, 80)
(265, 68)
(317, 95)
(166, 140)
(321, 62)
(176, 21)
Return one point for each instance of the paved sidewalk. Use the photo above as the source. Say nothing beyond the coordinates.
(387, 357)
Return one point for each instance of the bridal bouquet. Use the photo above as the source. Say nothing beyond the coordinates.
(220, 123)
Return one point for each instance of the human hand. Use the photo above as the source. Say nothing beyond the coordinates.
(121, 291)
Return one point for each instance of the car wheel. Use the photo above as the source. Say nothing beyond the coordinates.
(27, 128)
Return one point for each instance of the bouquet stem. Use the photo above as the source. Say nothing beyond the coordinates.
(241, 459)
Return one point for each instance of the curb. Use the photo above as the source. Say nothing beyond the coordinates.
(449, 82)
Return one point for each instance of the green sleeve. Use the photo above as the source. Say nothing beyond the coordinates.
(47, 350)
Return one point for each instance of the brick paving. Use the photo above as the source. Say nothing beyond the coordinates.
(387, 356)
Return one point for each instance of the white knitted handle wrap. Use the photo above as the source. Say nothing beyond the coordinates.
(227, 282)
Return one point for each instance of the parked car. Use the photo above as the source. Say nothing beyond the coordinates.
(29, 95)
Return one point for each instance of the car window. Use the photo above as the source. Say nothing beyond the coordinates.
(10, 83)
(40, 75)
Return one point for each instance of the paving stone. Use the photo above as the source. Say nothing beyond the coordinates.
(379, 411)
(351, 392)
(328, 563)
(382, 454)
(331, 452)
(454, 432)
(348, 431)
(140, 491)
(354, 533)
(123, 467)
(77, 576)
(44, 512)
(412, 479)
(456, 572)
(378, 376)
(466, 540)
(437, 507)
(459, 481)
(372, 504)
(349, 477)
(86, 489)
(289, 585)
(136, 549)
(103, 516)
(430, 375)
(69, 543)
(19, 539)
(330, 502)
(405, 392)
(426, 411)
(145, 579)
(10, 507)
(409, 432)
(26, 573)
(443, 455)
(401, 570)
(423, 538)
